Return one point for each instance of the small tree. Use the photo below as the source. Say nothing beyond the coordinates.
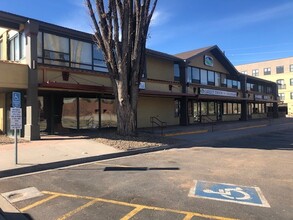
(121, 32)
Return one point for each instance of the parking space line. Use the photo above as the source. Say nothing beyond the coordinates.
(39, 203)
(188, 217)
(138, 207)
(132, 213)
(71, 213)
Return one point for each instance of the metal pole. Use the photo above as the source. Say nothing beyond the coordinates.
(15, 144)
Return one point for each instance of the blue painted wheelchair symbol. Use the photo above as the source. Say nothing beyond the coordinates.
(229, 193)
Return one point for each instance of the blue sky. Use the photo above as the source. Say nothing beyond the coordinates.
(247, 30)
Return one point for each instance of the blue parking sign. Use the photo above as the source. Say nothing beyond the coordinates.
(229, 193)
(16, 100)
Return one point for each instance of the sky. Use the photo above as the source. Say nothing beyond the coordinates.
(246, 30)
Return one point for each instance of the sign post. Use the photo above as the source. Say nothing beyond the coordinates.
(16, 119)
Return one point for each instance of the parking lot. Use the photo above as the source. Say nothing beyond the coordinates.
(159, 185)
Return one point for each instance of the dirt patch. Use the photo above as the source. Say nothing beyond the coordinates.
(9, 140)
(142, 140)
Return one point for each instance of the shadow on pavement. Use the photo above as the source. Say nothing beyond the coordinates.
(139, 168)
(15, 216)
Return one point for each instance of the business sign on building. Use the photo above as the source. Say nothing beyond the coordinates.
(208, 60)
(258, 97)
(204, 91)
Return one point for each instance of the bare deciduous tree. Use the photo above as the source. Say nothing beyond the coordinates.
(121, 32)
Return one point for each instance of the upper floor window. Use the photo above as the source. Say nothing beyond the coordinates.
(269, 90)
(211, 78)
(280, 69)
(244, 72)
(291, 95)
(176, 72)
(56, 50)
(282, 96)
(255, 72)
(16, 44)
(217, 79)
(62, 51)
(229, 83)
(223, 80)
(203, 77)
(99, 60)
(267, 71)
(193, 75)
(291, 82)
(291, 67)
(281, 84)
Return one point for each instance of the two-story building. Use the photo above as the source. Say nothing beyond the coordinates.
(65, 86)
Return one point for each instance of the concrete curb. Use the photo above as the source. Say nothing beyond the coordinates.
(9, 212)
(65, 163)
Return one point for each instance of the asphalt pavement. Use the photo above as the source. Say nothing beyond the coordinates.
(248, 154)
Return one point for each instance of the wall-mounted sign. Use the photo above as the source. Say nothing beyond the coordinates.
(258, 97)
(204, 91)
(208, 61)
(142, 85)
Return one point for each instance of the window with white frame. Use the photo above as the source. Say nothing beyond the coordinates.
(255, 72)
(280, 69)
(291, 95)
(291, 67)
(291, 82)
(282, 96)
(267, 71)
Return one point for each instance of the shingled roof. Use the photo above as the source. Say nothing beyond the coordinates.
(192, 53)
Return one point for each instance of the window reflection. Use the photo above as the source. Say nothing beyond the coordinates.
(88, 113)
(108, 113)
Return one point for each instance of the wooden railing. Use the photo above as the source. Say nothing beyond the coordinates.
(156, 121)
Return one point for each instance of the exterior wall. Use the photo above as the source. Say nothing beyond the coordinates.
(287, 75)
(13, 75)
(258, 116)
(2, 113)
(162, 108)
(216, 67)
(159, 69)
(231, 117)
(74, 78)
(3, 34)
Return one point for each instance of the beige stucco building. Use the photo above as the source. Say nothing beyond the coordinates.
(279, 71)
(65, 86)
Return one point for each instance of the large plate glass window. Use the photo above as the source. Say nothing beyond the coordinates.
(56, 50)
(81, 54)
(99, 60)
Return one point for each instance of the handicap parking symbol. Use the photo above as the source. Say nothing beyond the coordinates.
(229, 193)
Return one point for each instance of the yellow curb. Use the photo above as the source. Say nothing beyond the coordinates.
(184, 133)
(243, 128)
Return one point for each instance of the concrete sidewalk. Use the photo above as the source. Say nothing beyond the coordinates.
(51, 149)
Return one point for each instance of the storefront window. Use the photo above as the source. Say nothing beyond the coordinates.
(204, 108)
(211, 108)
(230, 108)
(108, 113)
(69, 113)
(88, 113)
(42, 116)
